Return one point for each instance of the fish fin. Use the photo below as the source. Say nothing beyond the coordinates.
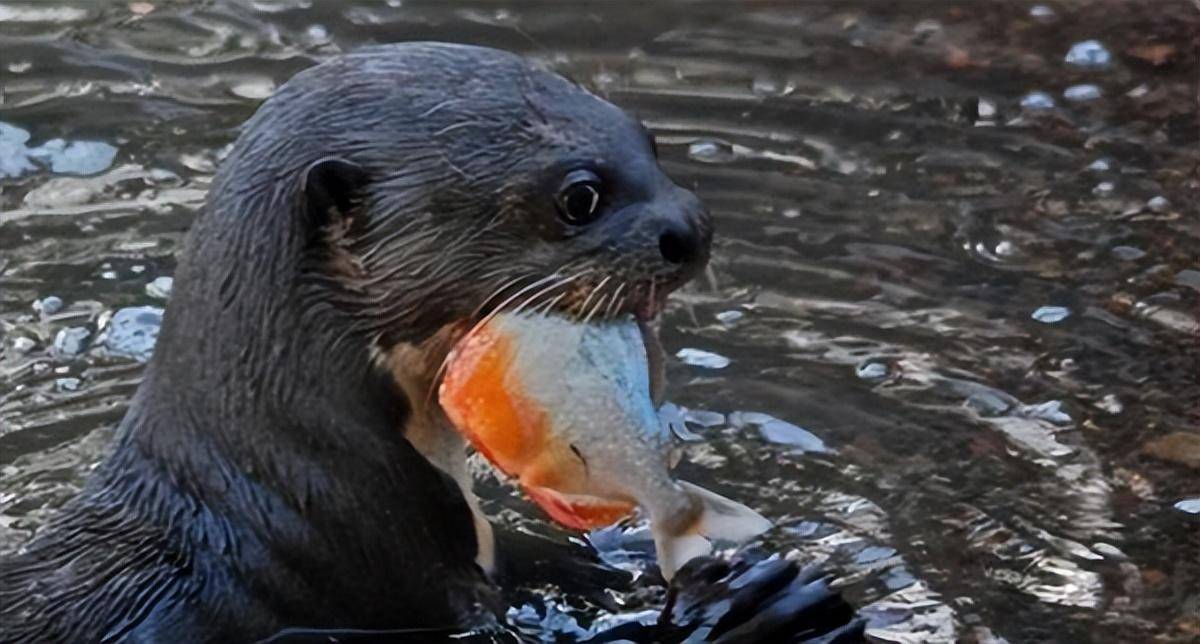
(675, 550)
(725, 519)
(720, 519)
(578, 511)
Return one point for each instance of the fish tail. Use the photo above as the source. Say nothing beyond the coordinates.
(674, 550)
(720, 519)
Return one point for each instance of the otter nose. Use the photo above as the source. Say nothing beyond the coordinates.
(680, 243)
(685, 235)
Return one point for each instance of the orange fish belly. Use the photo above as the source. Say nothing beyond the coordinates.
(505, 427)
(481, 397)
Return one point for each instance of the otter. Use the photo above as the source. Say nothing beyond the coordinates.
(281, 465)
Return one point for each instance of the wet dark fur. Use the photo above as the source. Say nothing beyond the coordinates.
(260, 479)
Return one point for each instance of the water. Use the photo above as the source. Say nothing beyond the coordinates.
(894, 208)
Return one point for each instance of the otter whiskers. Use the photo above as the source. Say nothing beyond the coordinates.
(550, 304)
(595, 289)
(504, 305)
(614, 305)
(545, 291)
(595, 309)
(497, 293)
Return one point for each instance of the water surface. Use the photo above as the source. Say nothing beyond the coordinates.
(949, 337)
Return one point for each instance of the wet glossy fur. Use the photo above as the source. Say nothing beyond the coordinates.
(260, 479)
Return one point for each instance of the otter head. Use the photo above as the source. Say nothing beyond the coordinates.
(381, 203)
(463, 180)
(445, 182)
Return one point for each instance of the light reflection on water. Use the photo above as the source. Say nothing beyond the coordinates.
(976, 289)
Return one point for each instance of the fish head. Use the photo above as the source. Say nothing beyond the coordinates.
(563, 408)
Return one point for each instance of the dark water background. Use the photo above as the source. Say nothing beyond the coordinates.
(891, 220)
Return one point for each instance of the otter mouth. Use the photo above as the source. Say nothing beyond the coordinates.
(506, 381)
(583, 300)
(650, 307)
(595, 302)
(585, 304)
(646, 302)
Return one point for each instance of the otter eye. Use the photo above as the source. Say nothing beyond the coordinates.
(579, 197)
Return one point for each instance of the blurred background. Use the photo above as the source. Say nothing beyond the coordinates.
(949, 340)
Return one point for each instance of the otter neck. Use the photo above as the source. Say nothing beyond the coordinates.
(262, 404)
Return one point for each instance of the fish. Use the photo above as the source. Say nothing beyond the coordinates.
(566, 409)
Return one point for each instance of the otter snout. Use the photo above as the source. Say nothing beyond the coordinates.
(642, 252)
(685, 234)
(671, 236)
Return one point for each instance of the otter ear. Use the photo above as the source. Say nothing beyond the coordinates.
(331, 187)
